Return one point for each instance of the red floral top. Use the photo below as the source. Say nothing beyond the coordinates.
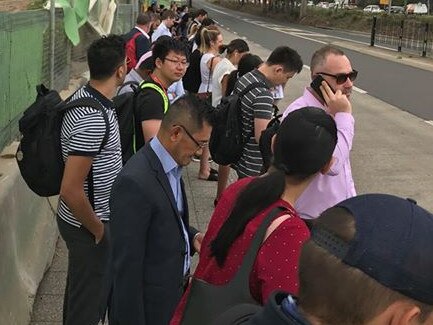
(276, 264)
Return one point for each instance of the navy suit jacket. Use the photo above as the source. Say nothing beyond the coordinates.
(148, 243)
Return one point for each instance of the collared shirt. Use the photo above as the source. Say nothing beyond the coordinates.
(143, 32)
(337, 185)
(174, 173)
(160, 31)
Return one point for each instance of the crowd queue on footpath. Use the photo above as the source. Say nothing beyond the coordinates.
(290, 242)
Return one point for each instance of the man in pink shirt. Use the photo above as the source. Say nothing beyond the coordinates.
(328, 189)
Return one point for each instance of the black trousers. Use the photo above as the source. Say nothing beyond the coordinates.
(86, 283)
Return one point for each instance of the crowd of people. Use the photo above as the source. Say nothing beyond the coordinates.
(308, 249)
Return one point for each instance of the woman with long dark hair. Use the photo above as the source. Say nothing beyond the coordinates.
(303, 148)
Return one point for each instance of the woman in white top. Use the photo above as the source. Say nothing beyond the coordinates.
(236, 49)
(211, 41)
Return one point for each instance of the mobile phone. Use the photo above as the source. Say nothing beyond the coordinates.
(315, 85)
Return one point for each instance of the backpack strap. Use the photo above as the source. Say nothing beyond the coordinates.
(133, 84)
(241, 279)
(251, 86)
(144, 85)
(247, 89)
(93, 103)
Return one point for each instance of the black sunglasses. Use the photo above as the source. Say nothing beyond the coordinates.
(341, 78)
(200, 145)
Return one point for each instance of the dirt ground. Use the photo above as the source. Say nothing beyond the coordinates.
(14, 5)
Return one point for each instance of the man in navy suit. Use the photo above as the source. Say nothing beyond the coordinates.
(152, 240)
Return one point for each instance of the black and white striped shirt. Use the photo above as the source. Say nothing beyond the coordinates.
(83, 130)
(257, 103)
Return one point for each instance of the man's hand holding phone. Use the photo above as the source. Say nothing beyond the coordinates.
(336, 102)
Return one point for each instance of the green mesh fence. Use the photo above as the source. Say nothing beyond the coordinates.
(21, 53)
(25, 54)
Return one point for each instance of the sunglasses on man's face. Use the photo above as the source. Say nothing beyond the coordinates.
(341, 78)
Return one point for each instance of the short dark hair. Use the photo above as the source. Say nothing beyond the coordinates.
(167, 14)
(200, 12)
(105, 55)
(287, 57)
(144, 18)
(319, 57)
(188, 111)
(248, 62)
(166, 44)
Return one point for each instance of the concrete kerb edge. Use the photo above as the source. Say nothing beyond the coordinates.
(29, 235)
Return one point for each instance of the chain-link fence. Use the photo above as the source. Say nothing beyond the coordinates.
(25, 56)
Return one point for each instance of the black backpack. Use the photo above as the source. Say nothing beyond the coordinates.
(125, 105)
(39, 155)
(265, 142)
(226, 140)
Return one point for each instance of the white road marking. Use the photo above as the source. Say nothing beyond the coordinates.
(429, 122)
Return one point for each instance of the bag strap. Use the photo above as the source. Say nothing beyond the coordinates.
(251, 86)
(134, 85)
(153, 86)
(243, 275)
(210, 74)
(91, 102)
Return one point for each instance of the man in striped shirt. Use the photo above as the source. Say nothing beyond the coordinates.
(257, 104)
(92, 153)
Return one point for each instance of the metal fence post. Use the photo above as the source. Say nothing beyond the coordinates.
(52, 39)
(373, 31)
(424, 46)
(400, 36)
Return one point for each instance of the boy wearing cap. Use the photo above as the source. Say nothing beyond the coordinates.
(368, 262)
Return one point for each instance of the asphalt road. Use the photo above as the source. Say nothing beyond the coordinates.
(406, 87)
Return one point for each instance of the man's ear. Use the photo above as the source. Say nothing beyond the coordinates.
(325, 169)
(175, 133)
(158, 63)
(278, 69)
(400, 313)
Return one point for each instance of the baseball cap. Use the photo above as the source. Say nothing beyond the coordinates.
(393, 243)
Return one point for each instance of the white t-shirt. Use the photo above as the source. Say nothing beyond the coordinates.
(223, 68)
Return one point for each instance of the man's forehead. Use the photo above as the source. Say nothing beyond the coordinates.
(178, 55)
(337, 63)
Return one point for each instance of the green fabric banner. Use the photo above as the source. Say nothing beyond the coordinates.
(75, 16)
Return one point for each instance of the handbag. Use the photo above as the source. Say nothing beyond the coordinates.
(207, 96)
(207, 302)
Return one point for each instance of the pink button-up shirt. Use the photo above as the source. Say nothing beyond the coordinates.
(337, 185)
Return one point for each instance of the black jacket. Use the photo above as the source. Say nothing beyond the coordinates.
(148, 243)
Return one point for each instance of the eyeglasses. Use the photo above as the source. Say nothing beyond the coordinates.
(341, 78)
(177, 62)
(200, 145)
